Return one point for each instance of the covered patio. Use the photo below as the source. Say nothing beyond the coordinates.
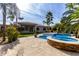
(26, 27)
(29, 27)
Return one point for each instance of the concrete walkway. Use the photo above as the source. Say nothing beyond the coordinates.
(35, 47)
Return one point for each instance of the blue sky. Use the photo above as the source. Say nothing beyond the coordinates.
(36, 12)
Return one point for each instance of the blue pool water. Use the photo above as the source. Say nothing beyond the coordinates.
(63, 37)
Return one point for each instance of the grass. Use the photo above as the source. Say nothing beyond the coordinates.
(26, 35)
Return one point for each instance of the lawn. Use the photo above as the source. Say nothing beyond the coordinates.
(26, 35)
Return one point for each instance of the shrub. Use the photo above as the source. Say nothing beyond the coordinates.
(12, 33)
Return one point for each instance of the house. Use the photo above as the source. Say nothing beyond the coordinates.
(29, 27)
(26, 27)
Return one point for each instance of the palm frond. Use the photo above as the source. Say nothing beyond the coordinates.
(68, 12)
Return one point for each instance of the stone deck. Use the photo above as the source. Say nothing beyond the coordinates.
(31, 46)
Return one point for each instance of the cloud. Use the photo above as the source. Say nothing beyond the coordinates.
(36, 12)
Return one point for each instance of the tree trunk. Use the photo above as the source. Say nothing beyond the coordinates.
(16, 20)
(77, 33)
(4, 21)
(48, 28)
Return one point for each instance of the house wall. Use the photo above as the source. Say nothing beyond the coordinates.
(26, 29)
(31, 28)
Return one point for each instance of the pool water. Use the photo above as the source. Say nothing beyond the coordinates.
(63, 37)
(44, 36)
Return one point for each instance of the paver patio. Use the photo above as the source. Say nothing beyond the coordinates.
(31, 46)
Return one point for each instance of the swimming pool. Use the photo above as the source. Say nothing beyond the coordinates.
(61, 41)
(63, 37)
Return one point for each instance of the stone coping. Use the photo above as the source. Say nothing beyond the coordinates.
(50, 38)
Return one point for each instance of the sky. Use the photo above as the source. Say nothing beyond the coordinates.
(36, 12)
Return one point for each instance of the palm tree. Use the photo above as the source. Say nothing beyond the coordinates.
(14, 13)
(66, 22)
(57, 27)
(49, 18)
(72, 14)
(4, 20)
(7, 9)
(73, 11)
(17, 14)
